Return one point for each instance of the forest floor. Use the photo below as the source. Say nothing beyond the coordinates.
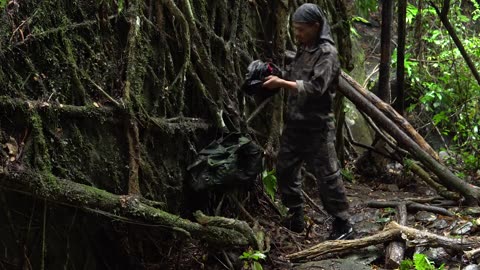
(367, 221)
(397, 186)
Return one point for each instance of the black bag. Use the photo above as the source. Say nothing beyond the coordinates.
(255, 77)
(227, 163)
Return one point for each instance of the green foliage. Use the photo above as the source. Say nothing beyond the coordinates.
(359, 19)
(420, 262)
(348, 175)
(2, 4)
(476, 12)
(121, 4)
(407, 265)
(443, 87)
(386, 215)
(251, 259)
(412, 12)
(364, 7)
(270, 183)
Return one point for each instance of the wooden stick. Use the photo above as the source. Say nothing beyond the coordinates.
(472, 254)
(411, 206)
(312, 204)
(342, 245)
(392, 231)
(395, 250)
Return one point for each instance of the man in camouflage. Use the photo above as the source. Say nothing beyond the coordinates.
(309, 134)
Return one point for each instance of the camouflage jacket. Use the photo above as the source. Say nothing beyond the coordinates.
(316, 72)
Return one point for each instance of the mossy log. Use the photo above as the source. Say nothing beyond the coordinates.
(131, 208)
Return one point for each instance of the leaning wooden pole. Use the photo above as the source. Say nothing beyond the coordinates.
(392, 114)
(446, 177)
(125, 207)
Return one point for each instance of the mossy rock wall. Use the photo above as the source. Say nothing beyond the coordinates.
(116, 94)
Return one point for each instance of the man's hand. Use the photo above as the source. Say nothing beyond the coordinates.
(273, 82)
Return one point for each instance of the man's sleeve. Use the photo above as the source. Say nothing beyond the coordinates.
(324, 72)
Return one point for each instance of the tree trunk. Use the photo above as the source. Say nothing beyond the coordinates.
(386, 51)
(419, 31)
(400, 93)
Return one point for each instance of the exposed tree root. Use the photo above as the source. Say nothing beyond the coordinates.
(214, 230)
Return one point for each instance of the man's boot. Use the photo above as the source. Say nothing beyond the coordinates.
(295, 220)
(341, 230)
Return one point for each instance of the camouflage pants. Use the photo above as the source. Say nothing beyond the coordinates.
(317, 149)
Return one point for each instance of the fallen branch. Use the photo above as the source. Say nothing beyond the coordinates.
(436, 200)
(411, 206)
(312, 204)
(425, 176)
(368, 147)
(472, 254)
(393, 231)
(425, 238)
(342, 245)
(129, 208)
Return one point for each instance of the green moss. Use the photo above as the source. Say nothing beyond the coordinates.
(41, 158)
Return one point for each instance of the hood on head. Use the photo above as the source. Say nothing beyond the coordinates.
(311, 13)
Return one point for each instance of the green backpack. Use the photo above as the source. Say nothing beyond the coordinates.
(230, 162)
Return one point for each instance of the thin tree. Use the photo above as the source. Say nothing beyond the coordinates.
(443, 15)
(400, 97)
(385, 58)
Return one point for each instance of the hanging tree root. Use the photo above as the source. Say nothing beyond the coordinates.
(227, 232)
(393, 231)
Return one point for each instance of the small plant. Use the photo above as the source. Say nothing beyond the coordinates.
(270, 183)
(386, 214)
(251, 259)
(420, 262)
(348, 175)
